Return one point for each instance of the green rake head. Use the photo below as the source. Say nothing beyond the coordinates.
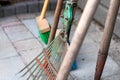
(46, 65)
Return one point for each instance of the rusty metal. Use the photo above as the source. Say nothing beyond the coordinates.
(107, 35)
(100, 66)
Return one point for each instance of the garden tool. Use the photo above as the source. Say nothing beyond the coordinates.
(77, 39)
(46, 64)
(106, 39)
(69, 13)
(44, 28)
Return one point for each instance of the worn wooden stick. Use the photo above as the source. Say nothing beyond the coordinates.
(56, 20)
(106, 39)
(78, 38)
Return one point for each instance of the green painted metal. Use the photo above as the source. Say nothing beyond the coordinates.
(68, 16)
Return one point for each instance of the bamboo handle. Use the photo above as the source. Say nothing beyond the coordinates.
(78, 38)
(44, 9)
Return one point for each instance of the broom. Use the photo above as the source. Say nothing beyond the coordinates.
(44, 28)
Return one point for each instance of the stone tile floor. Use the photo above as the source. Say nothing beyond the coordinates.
(19, 44)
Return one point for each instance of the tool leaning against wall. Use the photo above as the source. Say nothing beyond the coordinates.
(47, 63)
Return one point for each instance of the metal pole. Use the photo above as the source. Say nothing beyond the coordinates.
(78, 38)
(106, 39)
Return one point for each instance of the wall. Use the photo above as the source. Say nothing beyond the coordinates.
(25, 7)
(101, 14)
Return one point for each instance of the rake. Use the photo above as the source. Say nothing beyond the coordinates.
(46, 65)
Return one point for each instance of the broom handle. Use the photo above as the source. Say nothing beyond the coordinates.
(44, 9)
(78, 38)
(106, 39)
(56, 20)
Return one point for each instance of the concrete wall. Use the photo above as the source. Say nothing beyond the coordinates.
(101, 14)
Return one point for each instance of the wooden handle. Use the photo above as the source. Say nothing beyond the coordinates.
(43, 13)
(56, 20)
(78, 38)
(106, 39)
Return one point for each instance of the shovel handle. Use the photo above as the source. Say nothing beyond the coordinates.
(44, 9)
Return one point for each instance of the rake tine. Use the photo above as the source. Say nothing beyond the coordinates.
(41, 71)
(33, 72)
(30, 67)
(30, 63)
(28, 70)
(36, 74)
(26, 66)
(40, 74)
(45, 68)
(51, 43)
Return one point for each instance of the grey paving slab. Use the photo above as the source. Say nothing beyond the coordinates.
(17, 33)
(27, 45)
(114, 51)
(117, 27)
(101, 14)
(6, 48)
(10, 67)
(113, 77)
(105, 3)
(31, 24)
(17, 28)
(9, 21)
(29, 55)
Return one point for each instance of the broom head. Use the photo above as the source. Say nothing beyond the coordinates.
(43, 24)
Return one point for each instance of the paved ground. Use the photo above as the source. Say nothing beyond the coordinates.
(19, 44)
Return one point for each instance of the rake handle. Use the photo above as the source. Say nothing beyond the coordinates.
(78, 38)
(44, 9)
(56, 20)
(106, 39)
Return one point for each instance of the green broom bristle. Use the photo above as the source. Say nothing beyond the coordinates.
(44, 36)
